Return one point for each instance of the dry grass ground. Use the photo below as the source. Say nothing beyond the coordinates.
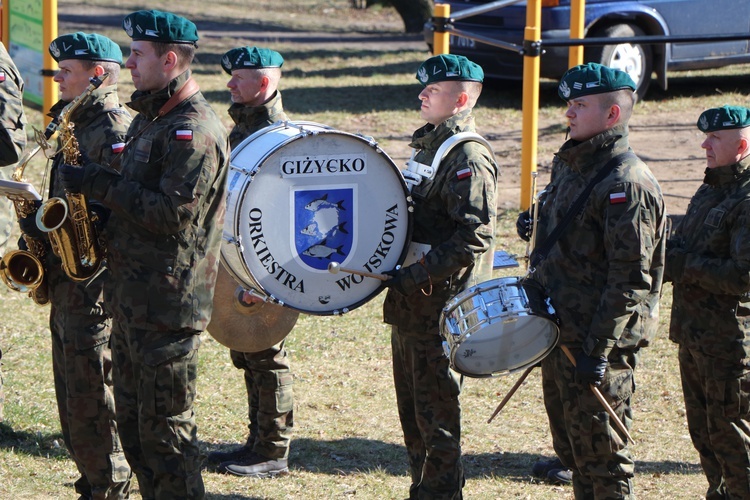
(354, 70)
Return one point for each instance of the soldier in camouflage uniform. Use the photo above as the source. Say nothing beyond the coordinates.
(454, 214)
(708, 262)
(255, 74)
(163, 238)
(603, 276)
(81, 357)
(12, 143)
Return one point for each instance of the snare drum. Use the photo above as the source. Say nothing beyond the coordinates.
(302, 195)
(498, 327)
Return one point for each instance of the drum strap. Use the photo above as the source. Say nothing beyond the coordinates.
(541, 252)
(415, 171)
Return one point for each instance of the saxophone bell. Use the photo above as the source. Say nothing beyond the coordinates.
(21, 271)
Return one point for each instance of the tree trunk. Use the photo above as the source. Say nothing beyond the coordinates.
(414, 13)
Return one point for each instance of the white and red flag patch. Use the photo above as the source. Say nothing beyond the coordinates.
(463, 173)
(615, 198)
(184, 135)
(2, 76)
(117, 148)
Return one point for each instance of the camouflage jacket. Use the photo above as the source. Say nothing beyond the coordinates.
(454, 214)
(12, 116)
(711, 302)
(101, 125)
(604, 274)
(168, 208)
(250, 119)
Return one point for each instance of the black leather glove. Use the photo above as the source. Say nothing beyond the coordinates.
(22, 244)
(590, 370)
(523, 225)
(408, 280)
(398, 279)
(71, 177)
(102, 215)
(28, 223)
(674, 265)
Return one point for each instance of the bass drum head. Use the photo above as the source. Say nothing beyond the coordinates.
(302, 196)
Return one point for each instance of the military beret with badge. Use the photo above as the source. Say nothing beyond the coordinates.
(161, 27)
(724, 118)
(592, 78)
(449, 67)
(85, 46)
(251, 58)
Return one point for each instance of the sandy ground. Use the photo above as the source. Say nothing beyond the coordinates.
(669, 143)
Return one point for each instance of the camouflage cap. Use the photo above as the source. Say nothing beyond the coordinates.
(251, 58)
(85, 46)
(158, 26)
(592, 78)
(449, 67)
(724, 118)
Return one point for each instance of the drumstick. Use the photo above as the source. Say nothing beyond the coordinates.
(511, 392)
(601, 399)
(335, 267)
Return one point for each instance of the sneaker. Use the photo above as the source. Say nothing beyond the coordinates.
(543, 467)
(240, 453)
(256, 466)
(560, 476)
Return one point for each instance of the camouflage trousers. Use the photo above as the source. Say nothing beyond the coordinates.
(583, 437)
(717, 403)
(82, 365)
(155, 379)
(427, 394)
(268, 379)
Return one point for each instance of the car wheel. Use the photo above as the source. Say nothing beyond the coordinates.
(634, 59)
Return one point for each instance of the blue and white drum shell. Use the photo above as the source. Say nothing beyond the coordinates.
(302, 195)
(498, 327)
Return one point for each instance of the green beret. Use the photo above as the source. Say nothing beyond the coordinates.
(724, 118)
(449, 67)
(86, 46)
(592, 78)
(158, 26)
(251, 58)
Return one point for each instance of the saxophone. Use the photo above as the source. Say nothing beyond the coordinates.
(22, 270)
(68, 222)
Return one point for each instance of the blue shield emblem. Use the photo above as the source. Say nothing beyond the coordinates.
(323, 226)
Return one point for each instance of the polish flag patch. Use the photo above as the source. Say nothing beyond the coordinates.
(463, 173)
(184, 135)
(2, 76)
(117, 148)
(615, 198)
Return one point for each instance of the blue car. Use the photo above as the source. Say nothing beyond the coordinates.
(611, 19)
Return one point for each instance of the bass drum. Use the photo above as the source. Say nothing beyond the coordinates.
(302, 195)
(498, 327)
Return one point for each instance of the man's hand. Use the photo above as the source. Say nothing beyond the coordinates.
(398, 279)
(524, 226)
(674, 264)
(71, 177)
(590, 369)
